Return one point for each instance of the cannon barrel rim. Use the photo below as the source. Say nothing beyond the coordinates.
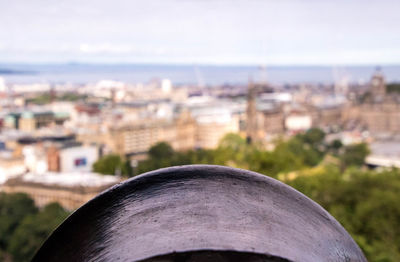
(117, 223)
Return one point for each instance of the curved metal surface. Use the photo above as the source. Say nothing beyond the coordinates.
(200, 208)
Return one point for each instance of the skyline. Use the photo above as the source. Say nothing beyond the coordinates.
(290, 32)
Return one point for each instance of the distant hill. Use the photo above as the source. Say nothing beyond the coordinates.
(5, 71)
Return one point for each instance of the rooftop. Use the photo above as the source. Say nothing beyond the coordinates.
(83, 181)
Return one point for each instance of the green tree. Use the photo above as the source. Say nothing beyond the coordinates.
(297, 154)
(335, 146)
(313, 136)
(110, 165)
(354, 155)
(233, 150)
(365, 203)
(163, 155)
(34, 230)
(161, 150)
(13, 209)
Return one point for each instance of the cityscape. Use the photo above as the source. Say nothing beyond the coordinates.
(70, 130)
(55, 137)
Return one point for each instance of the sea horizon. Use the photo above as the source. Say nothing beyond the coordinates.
(185, 73)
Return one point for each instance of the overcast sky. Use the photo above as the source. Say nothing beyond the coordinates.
(210, 32)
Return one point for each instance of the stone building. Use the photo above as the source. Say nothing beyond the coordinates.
(210, 130)
(326, 116)
(10, 166)
(381, 117)
(138, 137)
(378, 86)
(273, 121)
(378, 112)
(70, 190)
(31, 121)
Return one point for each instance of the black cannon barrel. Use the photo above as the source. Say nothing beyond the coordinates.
(200, 213)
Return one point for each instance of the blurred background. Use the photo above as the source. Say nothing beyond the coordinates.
(95, 92)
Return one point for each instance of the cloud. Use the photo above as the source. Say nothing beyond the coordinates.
(106, 48)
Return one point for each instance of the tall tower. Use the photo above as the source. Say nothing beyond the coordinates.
(113, 97)
(251, 113)
(53, 94)
(378, 85)
(341, 81)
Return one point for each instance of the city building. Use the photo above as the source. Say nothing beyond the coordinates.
(211, 129)
(273, 121)
(378, 111)
(70, 190)
(138, 137)
(31, 120)
(326, 115)
(298, 121)
(384, 154)
(71, 157)
(10, 166)
(11, 120)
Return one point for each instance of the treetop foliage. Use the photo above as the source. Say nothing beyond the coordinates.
(24, 227)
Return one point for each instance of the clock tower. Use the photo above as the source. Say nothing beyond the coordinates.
(378, 85)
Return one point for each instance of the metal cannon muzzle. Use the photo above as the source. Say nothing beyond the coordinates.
(200, 213)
